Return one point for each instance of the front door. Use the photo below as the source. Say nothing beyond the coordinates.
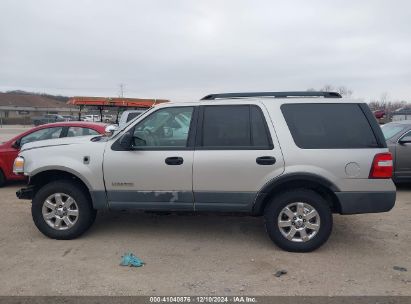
(236, 154)
(403, 158)
(155, 172)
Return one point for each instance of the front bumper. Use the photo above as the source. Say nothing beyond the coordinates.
(366, 202)
(25, 193)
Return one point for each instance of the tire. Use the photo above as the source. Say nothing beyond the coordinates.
(293, 226)
(2, 178)
(65, 190)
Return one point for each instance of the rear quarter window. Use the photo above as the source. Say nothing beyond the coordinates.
(329, 126)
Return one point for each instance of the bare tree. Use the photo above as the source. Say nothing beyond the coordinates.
(328, 88)
(384, 97)
(344, 91)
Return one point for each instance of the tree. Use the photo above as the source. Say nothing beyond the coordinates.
(344, 91)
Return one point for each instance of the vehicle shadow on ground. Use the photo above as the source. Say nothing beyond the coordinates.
(19, 184)
(188, 225)
(404, 186)
(218, 227)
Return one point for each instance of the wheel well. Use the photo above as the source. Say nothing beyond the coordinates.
(45, 177)
(324, 191)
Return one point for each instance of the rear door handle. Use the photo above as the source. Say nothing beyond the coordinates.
(265, 160)
(174, 161)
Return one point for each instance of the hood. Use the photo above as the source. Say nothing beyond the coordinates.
(61, 142)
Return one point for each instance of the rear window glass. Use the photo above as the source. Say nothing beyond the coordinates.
(329, 126)
(390, 130)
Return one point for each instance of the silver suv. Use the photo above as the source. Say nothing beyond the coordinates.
(293, 157)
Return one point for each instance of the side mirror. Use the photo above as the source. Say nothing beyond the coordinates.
(126, 140)
(109, 130)
(16, 144)
(405, 140)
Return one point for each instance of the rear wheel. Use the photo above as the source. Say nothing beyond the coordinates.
(299, 220)
(62, 210)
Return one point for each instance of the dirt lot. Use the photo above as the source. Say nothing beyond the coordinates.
(202, 254)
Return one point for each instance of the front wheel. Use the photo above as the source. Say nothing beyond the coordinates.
(62, 210)
(299, 220)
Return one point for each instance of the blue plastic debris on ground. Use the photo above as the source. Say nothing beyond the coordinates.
(129, 259)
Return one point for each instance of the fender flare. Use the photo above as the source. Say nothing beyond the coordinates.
(60, 168)
(275, 184)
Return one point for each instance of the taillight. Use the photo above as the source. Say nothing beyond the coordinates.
(382, 166)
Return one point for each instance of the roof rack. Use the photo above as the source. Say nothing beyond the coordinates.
(273, 94)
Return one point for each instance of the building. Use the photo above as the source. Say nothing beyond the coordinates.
(19, 108)
(402, 114)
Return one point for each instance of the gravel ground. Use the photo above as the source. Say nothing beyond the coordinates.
(204, 254)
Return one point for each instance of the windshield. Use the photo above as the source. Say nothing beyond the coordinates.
(390, 130)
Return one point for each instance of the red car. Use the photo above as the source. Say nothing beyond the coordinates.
(10, 149)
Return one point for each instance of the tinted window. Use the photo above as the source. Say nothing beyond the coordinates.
(79, 131)
(259, 130)
(234, 126)
(329, 126)
(165, 128)
(47, 133)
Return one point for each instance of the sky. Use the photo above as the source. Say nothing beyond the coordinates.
(183, 50)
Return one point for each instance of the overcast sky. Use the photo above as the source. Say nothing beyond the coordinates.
(186, 49)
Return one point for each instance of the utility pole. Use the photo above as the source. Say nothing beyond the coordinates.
(121, 90)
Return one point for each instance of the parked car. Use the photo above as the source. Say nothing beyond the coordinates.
(10, 149)
(398, 136)
(128, 115)
(294, 160)
(47, 118)
(70, 118)
(379, 114)
(92, 118)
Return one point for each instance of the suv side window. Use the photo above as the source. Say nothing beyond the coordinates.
(329, 126)
(234, 127)
(165, 128)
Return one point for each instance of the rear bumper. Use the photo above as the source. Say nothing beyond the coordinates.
(25, 193)
(366, 202)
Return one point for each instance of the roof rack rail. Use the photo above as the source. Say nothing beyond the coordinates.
(274, 94)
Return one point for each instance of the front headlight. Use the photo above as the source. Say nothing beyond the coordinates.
(18, 166)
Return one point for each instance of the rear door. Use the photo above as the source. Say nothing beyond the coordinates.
(236, 154)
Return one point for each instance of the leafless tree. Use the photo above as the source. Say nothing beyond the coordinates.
(344, 91)
(328, 88)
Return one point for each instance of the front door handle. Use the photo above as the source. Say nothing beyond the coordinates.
(265, 160)
(174, 161)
